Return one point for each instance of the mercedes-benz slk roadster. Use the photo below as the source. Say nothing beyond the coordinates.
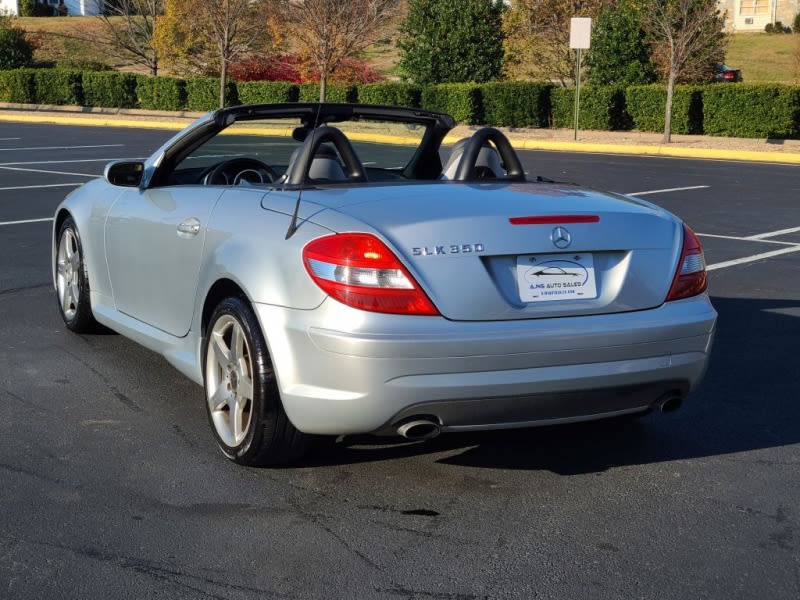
(331, 269)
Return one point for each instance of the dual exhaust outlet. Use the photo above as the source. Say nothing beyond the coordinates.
(426, 428)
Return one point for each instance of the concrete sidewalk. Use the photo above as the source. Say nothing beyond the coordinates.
(560, 140)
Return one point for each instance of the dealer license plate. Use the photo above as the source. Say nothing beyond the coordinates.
(545, 277)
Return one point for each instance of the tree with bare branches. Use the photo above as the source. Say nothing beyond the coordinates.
(328, 31)
(130, 27)
(537, 37)
(206, 35)
(687, 39)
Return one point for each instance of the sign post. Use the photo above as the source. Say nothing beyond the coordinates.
(580, 35)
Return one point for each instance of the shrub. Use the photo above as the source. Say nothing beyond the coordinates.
(796, 23)
(646, 104)
(390, 93)
(202, 94)
(620, 53)
(291, 68)
(267, 92)
(601, 108)
(752, 110)
(59, 86)
(42, 9)
(281, 67)
(109, 89)
(18, 85)
(334, 92)
(516, 103)
(448, 42)
(161, 93)
(461, 100)
(778, 27)
(354, 70)
(16, 50)
(26, 8)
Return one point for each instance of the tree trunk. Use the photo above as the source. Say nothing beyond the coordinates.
(668, 108)
(223, 75)
(154, 67)
(323, 85)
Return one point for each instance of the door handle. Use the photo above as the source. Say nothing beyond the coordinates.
(189, 228)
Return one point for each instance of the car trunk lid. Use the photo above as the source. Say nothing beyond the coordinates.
(523, 251)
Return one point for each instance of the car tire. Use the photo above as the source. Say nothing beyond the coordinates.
(242, 398)
(72, 283)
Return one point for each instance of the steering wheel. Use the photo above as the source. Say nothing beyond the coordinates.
(467, 171)
(250, 170)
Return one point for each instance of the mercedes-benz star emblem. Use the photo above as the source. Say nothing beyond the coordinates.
(560, 237)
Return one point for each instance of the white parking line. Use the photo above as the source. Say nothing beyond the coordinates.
(755, 257)
(667, 190)
(34, 187)
(762, 238)
(9, 139)
(769, 234)
(26, 221)
(61, 147)
(49, 172)
(746, 239)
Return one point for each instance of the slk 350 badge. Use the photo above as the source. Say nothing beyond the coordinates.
(448, 249)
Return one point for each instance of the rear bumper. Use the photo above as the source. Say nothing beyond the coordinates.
(374, 370)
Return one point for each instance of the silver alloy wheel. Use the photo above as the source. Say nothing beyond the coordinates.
(229, 380)
(68, 272)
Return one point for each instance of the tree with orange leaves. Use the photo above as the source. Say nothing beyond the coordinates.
(204, 36)
(326, 32)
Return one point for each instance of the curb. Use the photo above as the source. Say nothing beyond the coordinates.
(791, 158)
(96, 116)
(150, 119)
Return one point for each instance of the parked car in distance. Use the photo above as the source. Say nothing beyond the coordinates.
(726, 74)
(331, 269)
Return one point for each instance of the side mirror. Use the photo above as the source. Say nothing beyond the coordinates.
(125, 174)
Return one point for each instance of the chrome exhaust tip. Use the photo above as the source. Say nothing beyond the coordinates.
(669, 402)
(419, 429)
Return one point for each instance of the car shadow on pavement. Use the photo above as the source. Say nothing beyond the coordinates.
(748, 401)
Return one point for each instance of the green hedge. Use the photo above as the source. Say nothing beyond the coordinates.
(390, 93)
(267, 92)
(646, 104)
(739, 110)
(601, 108)
(109, 89)
(750, 110)
(516, 103)
(202, 94)
(18, 85)
(334, 92)
(161, 93)
(59, 86)
(461, 100)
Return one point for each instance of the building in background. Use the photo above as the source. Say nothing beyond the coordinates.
(72, 7)
(754, 15)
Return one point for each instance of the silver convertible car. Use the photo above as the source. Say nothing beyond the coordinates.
(329, 269)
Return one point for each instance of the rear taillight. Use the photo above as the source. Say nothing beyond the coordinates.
(359, 270)
(690, 277)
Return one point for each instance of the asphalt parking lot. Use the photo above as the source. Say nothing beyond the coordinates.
(112, 487)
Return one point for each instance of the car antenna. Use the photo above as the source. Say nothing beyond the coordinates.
(293, 227)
